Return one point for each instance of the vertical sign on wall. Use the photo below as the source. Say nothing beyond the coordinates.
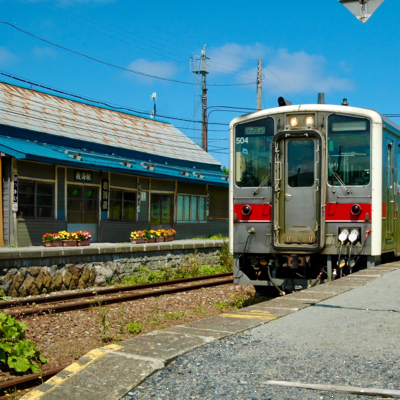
(15, 194)
(139, 197)
(105, 192)
(208, 204)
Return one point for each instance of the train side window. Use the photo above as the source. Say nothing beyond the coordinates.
(349, 148)
(253, 153)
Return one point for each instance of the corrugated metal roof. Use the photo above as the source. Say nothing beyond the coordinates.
(42, 112)
(61, 155)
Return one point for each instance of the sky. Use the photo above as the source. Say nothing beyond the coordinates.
(306, 47)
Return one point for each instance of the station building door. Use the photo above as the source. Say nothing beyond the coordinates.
(83, 209)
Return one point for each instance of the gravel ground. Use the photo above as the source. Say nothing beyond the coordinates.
(352, 339)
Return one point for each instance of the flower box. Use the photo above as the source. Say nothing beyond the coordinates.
(56, 243)
(170, 239)
(137, 241)
(150, 240)
(160, 239)
(48, 244)
(69, 243)
(84, 242)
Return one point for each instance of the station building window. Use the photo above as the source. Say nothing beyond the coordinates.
(82, 204)
(35, 200)
(161, 209)
(122, 205)
(191, 208)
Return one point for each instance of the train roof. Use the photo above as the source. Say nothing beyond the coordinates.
(319, 107)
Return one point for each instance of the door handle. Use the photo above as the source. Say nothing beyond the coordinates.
(288, 196)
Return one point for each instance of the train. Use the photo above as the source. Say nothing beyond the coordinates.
(314, 193)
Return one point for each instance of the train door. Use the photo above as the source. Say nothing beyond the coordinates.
(297, 192)
(397, 201)
(390, 196)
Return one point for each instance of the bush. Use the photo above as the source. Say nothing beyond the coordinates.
(134, 327)
(17, 352)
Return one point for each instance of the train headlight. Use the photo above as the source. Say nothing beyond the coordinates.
(246, 210)
(309, 120)
(343, 235)
(356, 209)
(293, 121)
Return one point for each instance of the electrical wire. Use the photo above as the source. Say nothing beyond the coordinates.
(104, 103)
(114, 65)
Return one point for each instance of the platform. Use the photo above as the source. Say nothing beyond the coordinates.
(343, 335)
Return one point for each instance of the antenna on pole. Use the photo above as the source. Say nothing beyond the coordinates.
(259, 84)
(198, 65)
(154, 97)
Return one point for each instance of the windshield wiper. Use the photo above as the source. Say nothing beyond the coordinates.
(262, 184)
(340, 180)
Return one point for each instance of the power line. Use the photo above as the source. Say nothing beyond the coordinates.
(115, 107)
(110, 64)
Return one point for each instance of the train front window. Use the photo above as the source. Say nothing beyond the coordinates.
(349, 143)
(253, 153)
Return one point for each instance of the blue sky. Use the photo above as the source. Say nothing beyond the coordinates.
(307, 47)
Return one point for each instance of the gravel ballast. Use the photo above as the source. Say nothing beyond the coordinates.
(351, 340)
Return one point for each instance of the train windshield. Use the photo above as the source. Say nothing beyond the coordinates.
(349, 151)
(253, 153)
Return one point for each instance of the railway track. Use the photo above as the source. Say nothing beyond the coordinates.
(64, 302)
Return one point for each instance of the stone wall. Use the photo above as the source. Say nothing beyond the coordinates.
(42, 279)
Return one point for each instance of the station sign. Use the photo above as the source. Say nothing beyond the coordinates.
(362, 9)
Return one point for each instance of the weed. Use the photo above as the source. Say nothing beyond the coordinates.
(17, 352)
(201, 309)
(221, 304)
(237, 301)
(104, 324)
(175, 315)
(134, 327)
(122, 319)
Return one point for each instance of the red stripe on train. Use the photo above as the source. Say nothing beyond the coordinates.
(259, 212)
(342, 212)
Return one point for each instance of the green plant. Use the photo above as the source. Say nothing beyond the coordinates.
(104, 324)
(221, 304)
(122, 319)
(201, 309)
(226, 258)
(134, 327)
(17, 352)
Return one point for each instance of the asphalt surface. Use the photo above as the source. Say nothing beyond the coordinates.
(352, 340)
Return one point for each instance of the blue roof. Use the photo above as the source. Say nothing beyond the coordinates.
(77, 158)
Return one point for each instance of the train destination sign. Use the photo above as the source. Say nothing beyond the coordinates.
(254, 130)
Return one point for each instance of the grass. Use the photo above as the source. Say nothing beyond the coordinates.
(189, 269)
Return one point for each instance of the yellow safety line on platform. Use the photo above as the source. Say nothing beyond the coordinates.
(74, 368)
(253, 314)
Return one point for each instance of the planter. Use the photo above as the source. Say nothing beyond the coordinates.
(160, 239)
(56, 243)
(137, 241)
(84, 242)
(170, 239)
(47, 244)
(150, 240)
(69, 243)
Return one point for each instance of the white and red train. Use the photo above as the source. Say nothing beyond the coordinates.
(314, 193)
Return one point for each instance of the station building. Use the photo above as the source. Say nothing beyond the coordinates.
(72, 165)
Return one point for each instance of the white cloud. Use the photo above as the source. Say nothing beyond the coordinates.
(345, 66)
(6, 57)
(41, 52)
(302, 72)
(233, 57)
(162, 69)
(283, 71)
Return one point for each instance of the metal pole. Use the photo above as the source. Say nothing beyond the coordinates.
(204, 118)
(1, 208)
(259, 84)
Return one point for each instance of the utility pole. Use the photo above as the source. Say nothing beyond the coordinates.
(259, 84)
(199, 67)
